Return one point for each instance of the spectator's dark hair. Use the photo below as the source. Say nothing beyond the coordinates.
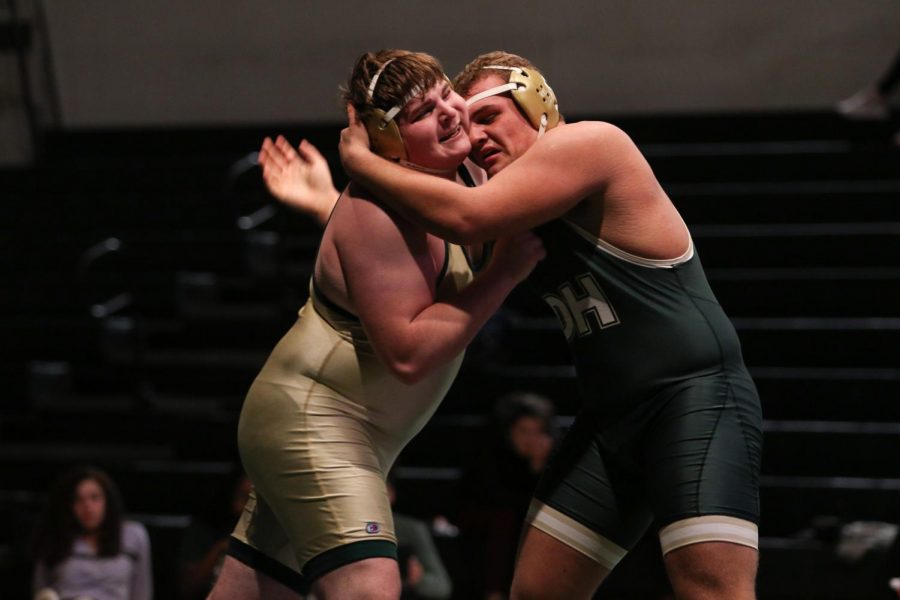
(58, 527)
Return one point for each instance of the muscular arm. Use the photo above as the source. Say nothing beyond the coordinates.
(561, 169)
(390, 271)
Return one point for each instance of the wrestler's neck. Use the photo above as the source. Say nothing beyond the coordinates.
(443, 173)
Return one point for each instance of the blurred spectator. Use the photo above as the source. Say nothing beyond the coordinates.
(205, 539)
(421, 568)
(497, 488)
(873, 102)
(83, 548)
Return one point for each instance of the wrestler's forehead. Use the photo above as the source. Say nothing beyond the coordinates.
(487, 82)
(428, 95)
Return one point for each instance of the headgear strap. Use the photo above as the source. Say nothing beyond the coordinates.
(394, 110)
(540, 106)
(378, 73)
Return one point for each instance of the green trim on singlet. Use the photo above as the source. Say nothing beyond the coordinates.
(258, 561)
(330, 304)
(344, 555)
(486, 251)
(445, 266)
(320, 565)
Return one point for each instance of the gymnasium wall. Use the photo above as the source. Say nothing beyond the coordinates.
(171, 62)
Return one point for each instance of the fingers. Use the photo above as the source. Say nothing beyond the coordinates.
(271, 156)
(351, 113)
(287, 151)
(277, 154)
(263, 155)
(270, 162)
(308, 152)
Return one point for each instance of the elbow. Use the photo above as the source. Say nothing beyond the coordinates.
(403, 359)
(409, 372)
(407, 366)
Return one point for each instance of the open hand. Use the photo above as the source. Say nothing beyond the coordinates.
(298, 177)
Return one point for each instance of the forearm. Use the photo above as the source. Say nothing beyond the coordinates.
(544, 184)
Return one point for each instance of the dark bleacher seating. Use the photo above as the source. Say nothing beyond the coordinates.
(796, 218)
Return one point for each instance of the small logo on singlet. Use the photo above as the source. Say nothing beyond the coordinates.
(372, 527)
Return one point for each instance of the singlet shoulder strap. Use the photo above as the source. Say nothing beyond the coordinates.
(467, 178)
(465, 175)
(446, 266)
(328, 304)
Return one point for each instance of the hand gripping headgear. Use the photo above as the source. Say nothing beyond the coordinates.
(531, 93)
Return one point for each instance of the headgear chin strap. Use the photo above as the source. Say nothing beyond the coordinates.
(531, 93)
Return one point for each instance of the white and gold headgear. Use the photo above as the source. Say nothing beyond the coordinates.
(531, 93)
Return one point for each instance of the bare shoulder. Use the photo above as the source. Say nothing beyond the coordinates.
(359, 215)
(360, 208)
(589, 132)
(589, 151)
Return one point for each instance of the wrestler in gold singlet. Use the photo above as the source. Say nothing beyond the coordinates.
(321, 426)
(342, 393)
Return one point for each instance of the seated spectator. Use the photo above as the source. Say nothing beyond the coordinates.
(205, 539)
(496, 489)
(83, 547)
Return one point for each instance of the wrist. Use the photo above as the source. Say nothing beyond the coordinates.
(351, 158)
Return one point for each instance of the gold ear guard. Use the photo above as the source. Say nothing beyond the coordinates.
(385, 136)
(535, 97)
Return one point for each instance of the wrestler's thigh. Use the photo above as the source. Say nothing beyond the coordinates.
(548, 569)
(369, 579)
(713, 570)
(238, 581)
(590, 498)
(703, 452)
